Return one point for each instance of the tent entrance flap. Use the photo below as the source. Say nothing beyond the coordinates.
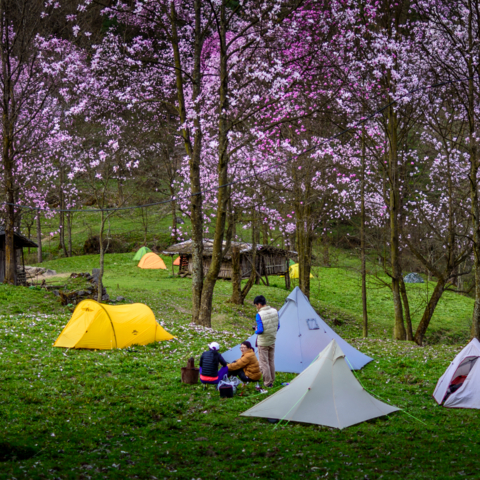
(111, 323)
(460, 375)
(459, 386)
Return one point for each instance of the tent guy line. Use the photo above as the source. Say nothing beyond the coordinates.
(380, 398)
(288, 421)
(338, 400)
(254, 174)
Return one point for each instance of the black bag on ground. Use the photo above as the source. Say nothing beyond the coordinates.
(226, 391)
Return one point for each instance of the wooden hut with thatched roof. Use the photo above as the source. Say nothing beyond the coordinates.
(269, 260)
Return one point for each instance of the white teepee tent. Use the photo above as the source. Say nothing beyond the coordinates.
(302, 336)
(459, 386)
(326, 393)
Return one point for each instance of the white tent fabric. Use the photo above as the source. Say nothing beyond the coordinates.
(326, 393)
(465, 363)
(302, 336)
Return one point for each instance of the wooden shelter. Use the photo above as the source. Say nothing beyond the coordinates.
(269, 260)
(20, 241)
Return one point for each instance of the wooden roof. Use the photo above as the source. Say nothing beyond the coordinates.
(186, 248)
(20, 240)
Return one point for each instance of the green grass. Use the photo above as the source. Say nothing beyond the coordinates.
(125, 414)
(125, 226)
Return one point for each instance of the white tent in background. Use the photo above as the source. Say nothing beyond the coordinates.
(459, 386)
(326, 393)
(302, 336)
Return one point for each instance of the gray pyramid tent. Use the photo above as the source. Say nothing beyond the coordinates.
(326, 393)
(302, 336)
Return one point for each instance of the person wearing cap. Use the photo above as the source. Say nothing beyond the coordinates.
(209, 363)
(268, 324)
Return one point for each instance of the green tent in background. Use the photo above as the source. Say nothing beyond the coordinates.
(140, 253)
(291, 262)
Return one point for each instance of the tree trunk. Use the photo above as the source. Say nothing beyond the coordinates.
(429, 310)
(406, 308)
(10, 274)
(193, 151)
(265, 232)
(61, 226)
(236, 277)
(253, 273)
(223, 194)
(287, 275)
(473, 177)
(69, 223)
(39, 238)
(173, 206)
(394, 204)
(102, 260)
(304, 247)
(362, 242)
(257, 241)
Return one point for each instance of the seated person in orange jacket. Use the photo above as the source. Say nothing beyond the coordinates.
(246, 367)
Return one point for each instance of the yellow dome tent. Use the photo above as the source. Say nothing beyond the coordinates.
(103, 327)
(152, 260)
(293, 270)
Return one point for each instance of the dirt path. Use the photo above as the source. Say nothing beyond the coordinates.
(40, 278)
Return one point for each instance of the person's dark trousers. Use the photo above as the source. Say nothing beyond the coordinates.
(241, 375)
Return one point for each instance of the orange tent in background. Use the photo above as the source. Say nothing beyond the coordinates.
(152, 260)
(176, 262)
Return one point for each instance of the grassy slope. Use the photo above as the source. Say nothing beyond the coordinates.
(335, 294)
(125, 414)
(335, 291)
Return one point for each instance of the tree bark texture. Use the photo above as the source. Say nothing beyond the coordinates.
(406, 309)
(39, 237)
(399, 332)
(223, 193)
(429, 310)
(69, 224)
(473, 176)
(304, 246)
(102, 259)
(362, 243)
(193, 151)
(8, 126)
(61, 215)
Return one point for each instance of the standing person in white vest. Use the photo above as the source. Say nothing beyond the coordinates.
(267, 327)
